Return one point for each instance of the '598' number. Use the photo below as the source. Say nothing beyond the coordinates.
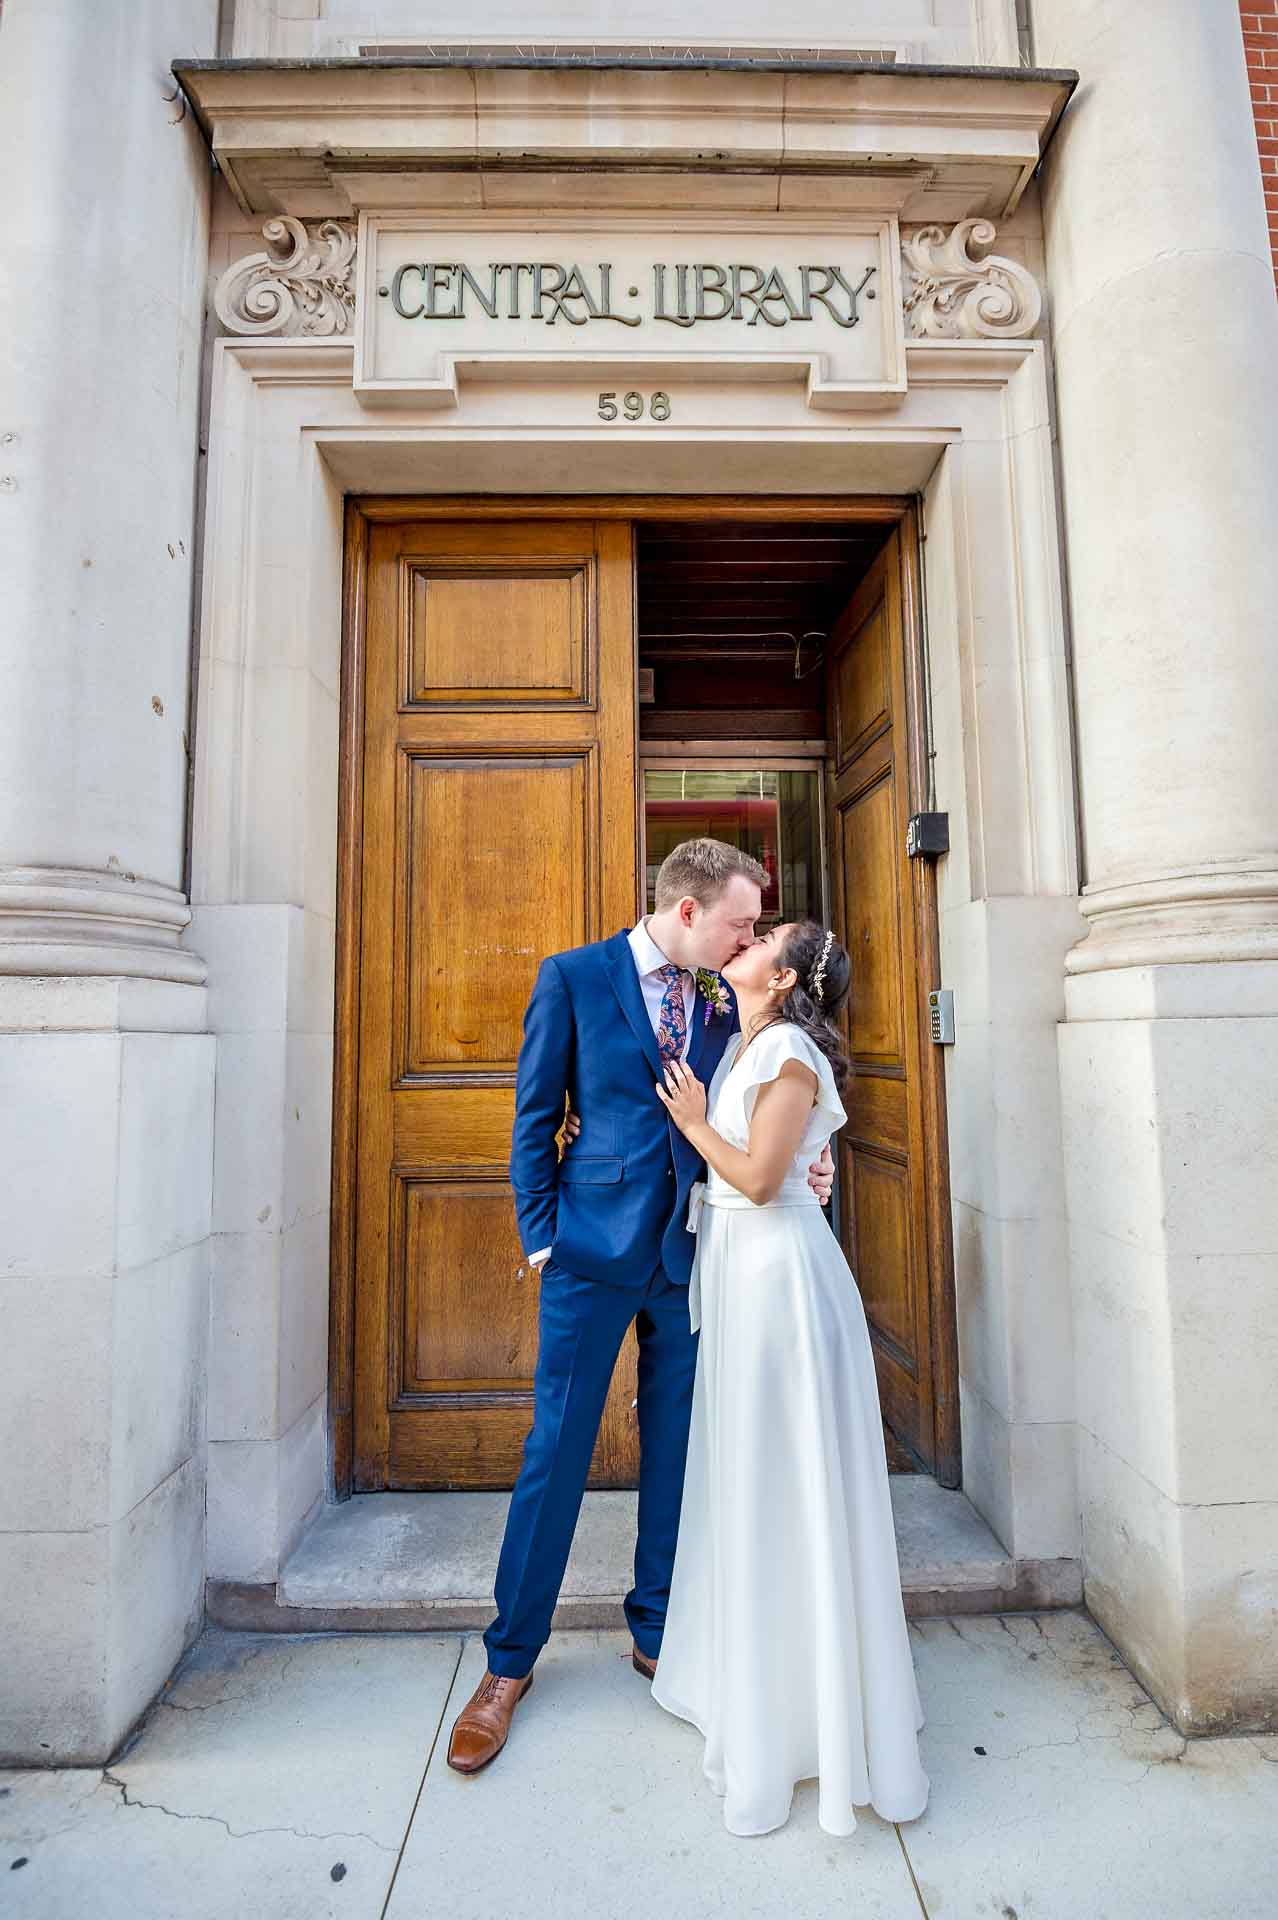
(633, 405)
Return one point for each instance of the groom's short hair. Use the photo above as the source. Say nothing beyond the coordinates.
(701, 869)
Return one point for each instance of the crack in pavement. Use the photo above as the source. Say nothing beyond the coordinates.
(206, 1706)
(1159, 1760)
(215, 1819)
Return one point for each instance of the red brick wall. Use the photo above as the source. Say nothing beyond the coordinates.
(1260, 35)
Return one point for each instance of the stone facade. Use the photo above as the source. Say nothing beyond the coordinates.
(106, 1058)
(1109, 908)
(1170, 1045)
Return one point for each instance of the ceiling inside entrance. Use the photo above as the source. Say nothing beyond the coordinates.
(733, 617)
(753, 585)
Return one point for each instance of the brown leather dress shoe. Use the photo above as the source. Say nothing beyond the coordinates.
(481, 1729)
(642, 1664)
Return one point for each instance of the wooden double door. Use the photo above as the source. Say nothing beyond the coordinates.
(489, 818)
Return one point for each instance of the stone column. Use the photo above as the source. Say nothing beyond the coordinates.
(106, 1114)
(1166, 344)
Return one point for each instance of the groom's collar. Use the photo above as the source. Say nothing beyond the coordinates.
(624, 974)
(648, 955)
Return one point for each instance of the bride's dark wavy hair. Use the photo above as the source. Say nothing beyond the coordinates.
(811, 1004)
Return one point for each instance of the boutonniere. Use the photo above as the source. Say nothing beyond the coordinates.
(716, 996)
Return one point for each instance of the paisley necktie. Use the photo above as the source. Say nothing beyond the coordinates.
(672, 1023)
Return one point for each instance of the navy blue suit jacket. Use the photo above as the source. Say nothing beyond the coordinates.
(616, 1207)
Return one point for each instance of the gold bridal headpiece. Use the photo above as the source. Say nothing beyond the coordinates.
(818, 974)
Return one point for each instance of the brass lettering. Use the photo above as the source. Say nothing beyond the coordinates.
(439, 279)
(605, 303)
(539, 273)
(682, 294)
(775, 288)
(397, 286)
(830, 277)
(514, 268)
(659, 300)
(488, 301)
(853, 293)
(712, 280)
(742, 292)
(572, 287)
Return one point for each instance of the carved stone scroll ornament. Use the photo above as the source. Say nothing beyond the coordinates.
(300, 285)
(949, 295)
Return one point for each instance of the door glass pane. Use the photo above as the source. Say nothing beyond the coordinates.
(771, 814)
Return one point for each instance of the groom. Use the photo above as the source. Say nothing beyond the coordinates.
(606, 1226)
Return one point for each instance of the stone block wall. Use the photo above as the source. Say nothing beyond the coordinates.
(1260, 36)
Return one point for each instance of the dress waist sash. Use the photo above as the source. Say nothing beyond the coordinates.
(793, 1192)
(714, 1192)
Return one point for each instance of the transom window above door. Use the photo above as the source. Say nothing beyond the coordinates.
(772, 813)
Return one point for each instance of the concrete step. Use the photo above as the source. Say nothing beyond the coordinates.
(415, 1562)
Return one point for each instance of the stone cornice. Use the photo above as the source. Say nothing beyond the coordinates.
(325, 139)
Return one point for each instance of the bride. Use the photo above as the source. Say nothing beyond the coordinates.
(785, 1640)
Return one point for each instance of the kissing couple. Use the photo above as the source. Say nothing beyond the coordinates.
(766, 1605)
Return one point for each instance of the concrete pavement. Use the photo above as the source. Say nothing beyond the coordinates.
(294, 1778)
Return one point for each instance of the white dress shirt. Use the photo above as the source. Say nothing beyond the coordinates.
(648, 958)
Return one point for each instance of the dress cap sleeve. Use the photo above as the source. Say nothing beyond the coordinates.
(765, 1057)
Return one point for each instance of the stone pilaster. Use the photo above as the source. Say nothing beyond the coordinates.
(102, 319)
(107, 1072)
(1166, 344)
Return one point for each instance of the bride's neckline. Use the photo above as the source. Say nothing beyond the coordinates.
(746, 1041)
(744, 1048)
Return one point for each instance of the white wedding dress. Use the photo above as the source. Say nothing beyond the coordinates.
(785, 1641)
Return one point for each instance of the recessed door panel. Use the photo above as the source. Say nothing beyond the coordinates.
(863, 687)
(494, 876)
(466, 1329)
(514, 631)
(867, 830)
(884, 1254)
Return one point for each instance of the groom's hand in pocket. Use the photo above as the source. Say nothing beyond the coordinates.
(534, 1262)
(821, 1175)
